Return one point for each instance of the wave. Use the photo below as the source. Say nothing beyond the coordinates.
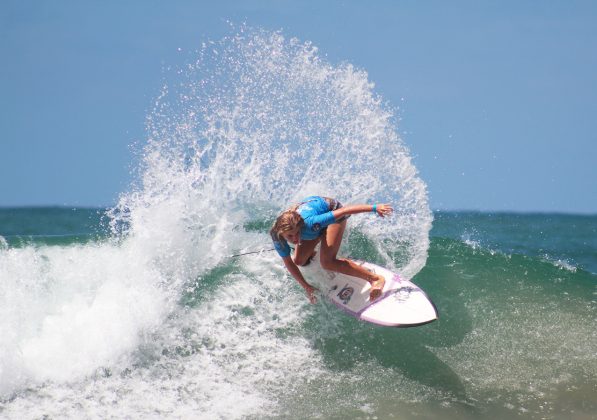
(240, 340)
(155, 312)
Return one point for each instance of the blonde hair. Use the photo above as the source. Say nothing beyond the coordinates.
(287, 221)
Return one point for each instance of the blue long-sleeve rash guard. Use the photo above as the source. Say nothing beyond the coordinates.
(317, 215)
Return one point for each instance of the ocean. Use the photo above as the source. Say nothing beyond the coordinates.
(144, 310)
(85, 334)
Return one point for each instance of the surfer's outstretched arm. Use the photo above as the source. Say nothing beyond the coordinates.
(296, 273)
(381, 210)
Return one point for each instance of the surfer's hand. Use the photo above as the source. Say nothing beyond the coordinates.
(311, 294)
(384, 210)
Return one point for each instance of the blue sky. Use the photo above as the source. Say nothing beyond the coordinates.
(496, 99)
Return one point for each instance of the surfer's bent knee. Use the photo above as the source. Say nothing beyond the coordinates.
(301, 262)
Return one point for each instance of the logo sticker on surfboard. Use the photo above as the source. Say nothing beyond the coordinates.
(345, 294)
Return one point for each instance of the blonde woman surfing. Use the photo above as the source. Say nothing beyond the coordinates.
(322, 220)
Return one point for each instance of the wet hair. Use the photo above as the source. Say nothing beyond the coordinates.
(287, 221)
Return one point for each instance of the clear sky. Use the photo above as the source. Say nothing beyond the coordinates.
(497, 99)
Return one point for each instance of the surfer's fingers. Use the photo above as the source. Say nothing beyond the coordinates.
(311, 294)
(385, 209)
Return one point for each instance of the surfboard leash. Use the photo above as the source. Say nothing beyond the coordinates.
(252, 252)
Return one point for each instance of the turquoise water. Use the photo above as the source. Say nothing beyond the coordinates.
(140, 310)
(517, 296)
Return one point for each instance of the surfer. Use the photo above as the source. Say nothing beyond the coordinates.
(322, 220)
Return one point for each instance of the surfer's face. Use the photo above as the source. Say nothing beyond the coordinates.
(292, 236)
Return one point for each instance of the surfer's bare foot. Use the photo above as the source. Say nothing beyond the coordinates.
(377, 283)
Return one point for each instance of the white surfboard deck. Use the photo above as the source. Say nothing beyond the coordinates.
(401, 304)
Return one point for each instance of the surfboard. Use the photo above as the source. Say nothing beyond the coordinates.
(401, 304)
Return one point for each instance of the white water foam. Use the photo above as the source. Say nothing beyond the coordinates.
(255, 123)
(66, 311)
(223, 359)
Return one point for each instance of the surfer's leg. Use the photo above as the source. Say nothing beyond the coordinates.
(330, 245)
(304, 251)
